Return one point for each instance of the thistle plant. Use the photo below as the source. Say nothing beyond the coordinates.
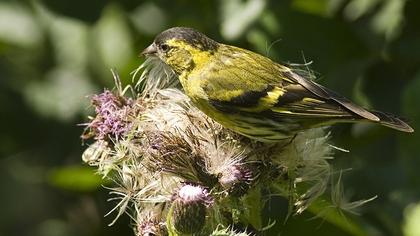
(177, 172)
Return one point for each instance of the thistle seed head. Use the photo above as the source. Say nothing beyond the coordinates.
(152, 228)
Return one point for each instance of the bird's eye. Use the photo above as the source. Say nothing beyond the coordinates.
(164, 47)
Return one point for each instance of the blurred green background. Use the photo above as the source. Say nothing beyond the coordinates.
(53, 53)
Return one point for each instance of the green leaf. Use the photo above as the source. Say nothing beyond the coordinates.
(238, 15)
(54, 227)
(411, 226)
(141, 18)
(253, 207)
(388, 21)
(61, 96)
(113, 38)
(18, 26)
(70, 40)
(322, 208)
(269, 22)
(326, 209)
(75, 178)
(358, 8)
(319, 7)
(259, 40)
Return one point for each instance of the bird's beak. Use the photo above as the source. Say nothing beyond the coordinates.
(151, 50)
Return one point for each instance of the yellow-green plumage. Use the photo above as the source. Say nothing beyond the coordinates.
(251, 94)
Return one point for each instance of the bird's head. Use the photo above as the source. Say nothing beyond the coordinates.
(181, 48)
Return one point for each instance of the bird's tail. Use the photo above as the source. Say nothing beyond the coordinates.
(392, 121)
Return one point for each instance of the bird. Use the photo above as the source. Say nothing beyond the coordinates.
(251, 94)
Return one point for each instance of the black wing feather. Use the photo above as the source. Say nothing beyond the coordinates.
(327, 94)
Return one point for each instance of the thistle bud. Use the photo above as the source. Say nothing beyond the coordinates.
(236, 179)
(189, 208)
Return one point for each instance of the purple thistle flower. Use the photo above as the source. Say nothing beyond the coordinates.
(237, 179)
(113, 115)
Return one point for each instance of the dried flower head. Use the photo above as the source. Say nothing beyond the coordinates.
(157, 144)
(150, 225)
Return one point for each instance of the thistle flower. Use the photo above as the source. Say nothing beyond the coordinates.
(156, 145)
(188, 209)
(236, 179)
(114, 115)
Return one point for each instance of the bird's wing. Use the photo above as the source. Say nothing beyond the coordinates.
(252, 83)
(330, 96)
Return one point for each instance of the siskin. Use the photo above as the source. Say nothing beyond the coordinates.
(252, 95)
